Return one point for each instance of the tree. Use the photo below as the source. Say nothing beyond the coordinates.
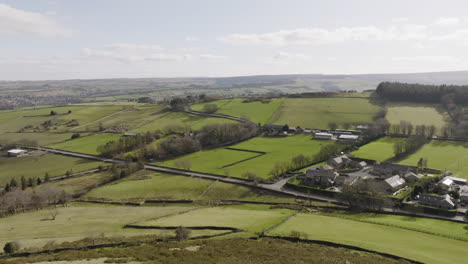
(182, 233)
(7, 187)
(46, 177)
(52, 113)
(69, 111)
(210, 108)
(24, 183)
(184, 164)
(38, 181)
(13, 183)
(286, 128)
(75, 135)
(333, 125)
(11, 247)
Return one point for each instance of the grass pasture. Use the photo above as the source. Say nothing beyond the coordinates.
(416, 114)
(87, 144)
(278, 150)
(410, 244)
(256, 112)
(13, 121)
(38, 163)
(319, 112)
(184, 120)
(379, 150)
(150, 185)
(443, 155)
(250, 218)
(77, 221)
(41, 139)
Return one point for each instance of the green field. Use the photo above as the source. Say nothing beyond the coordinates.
(38, 163)
(130, 119)
(256, 112)
(416, 114)
(78, 221)
(150, 185)
(410, 244)
(186, 121)
(379, 150)
(250, 218)
(443, 155)
(319, 112)
(41, 139)
(87, 144)
(433, 226)
(13, 121)
(278, 150)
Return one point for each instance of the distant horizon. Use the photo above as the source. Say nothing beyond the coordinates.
(236, 76)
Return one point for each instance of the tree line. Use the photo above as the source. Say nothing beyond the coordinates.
(408, 145)
(421, 93)
(208, 136)
(127, 143)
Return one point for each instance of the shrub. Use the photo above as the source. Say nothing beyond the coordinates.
(75, 135)
(210, 108)
(11, 247)
(182, 233)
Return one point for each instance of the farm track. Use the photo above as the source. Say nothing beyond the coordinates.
(100, 119)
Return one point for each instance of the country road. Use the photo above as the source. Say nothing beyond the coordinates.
(277, 187)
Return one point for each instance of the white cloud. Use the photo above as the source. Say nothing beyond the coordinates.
(423, 59)
(130, 53)
(283, 57)
(132, 47)
(319, 36)
(447, 21)
(212, 57)
(322, 36)
(191, 39)
(15, 21)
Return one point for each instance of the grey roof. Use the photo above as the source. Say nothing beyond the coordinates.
(395, 181)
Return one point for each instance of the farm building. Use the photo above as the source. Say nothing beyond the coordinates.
(411, 176)
(16, 152)
(442, 202)
(339, 162)
(348, 138)
(323, 176)
(445, 184)
(321, 135)
(464, 197)
(394, 183)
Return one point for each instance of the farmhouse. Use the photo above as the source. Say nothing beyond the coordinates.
(442, 202)
(16, 152)
(321, 135)
(323, 176)
(394, 183)
(339, 162)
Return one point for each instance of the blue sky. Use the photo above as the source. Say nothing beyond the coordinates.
(69, 39)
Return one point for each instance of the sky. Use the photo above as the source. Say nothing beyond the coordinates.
(90, 39)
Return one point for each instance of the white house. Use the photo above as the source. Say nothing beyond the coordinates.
(16, 152)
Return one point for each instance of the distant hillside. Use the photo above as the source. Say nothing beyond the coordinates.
(26, 93)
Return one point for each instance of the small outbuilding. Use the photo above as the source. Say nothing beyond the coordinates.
(16, 152)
